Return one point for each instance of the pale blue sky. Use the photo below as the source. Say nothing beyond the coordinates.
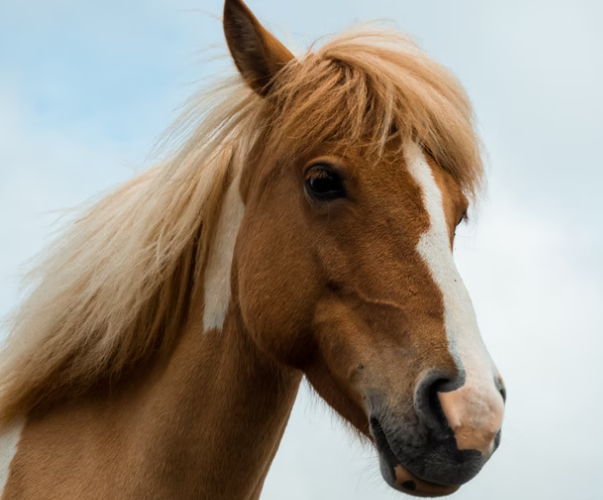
(86, 88)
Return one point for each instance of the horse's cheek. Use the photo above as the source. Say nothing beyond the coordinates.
(278, 290)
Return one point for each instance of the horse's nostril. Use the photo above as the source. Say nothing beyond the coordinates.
(435, 407)
(428, 403)
(500, 385)
(503, 393)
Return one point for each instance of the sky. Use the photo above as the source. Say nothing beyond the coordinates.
(86, 88)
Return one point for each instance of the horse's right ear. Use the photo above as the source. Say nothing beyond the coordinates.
(258, 55)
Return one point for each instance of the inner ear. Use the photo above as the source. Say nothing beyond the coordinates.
(258, 55)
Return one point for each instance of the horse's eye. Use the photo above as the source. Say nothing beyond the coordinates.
(323, 183)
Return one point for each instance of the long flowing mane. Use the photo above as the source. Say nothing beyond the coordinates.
(114, 289)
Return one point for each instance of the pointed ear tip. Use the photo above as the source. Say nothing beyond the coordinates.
(229, 5)
(235, 5)
(236, 13)
(257, 53)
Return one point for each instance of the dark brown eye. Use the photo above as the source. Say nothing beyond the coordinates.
(323, 183)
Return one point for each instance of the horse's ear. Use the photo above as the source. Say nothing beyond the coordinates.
(257, 53)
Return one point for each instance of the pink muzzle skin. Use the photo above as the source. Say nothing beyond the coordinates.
(475, 415)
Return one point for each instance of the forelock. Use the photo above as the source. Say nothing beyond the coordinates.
(373, 88)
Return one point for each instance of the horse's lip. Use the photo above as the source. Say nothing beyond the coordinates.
(382, 443)
(386, 451)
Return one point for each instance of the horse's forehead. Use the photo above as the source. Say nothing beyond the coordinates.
(390, 184)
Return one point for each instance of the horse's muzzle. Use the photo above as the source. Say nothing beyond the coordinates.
(434, 467)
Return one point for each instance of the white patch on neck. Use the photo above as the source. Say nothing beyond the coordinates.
(219, 261)
(464, 340)
(9, 439)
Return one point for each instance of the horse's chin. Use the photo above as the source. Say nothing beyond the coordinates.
(407, 480)
(401, 479)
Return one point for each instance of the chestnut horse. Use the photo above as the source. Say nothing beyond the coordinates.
(304, 226)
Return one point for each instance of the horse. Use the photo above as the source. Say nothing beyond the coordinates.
(302, 225)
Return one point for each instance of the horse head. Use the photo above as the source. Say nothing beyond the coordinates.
(343, 265)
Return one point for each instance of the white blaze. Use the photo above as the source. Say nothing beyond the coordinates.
(475, 410)
(219, 261)
(9, 439)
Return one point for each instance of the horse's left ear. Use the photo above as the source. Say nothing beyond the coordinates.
(259, 56)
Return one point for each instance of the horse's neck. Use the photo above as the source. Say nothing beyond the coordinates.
(205, 425)
(236, 403)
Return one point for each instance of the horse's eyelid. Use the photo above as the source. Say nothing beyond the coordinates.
(322, 165)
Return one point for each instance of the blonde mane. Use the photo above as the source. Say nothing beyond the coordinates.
(114, 289)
